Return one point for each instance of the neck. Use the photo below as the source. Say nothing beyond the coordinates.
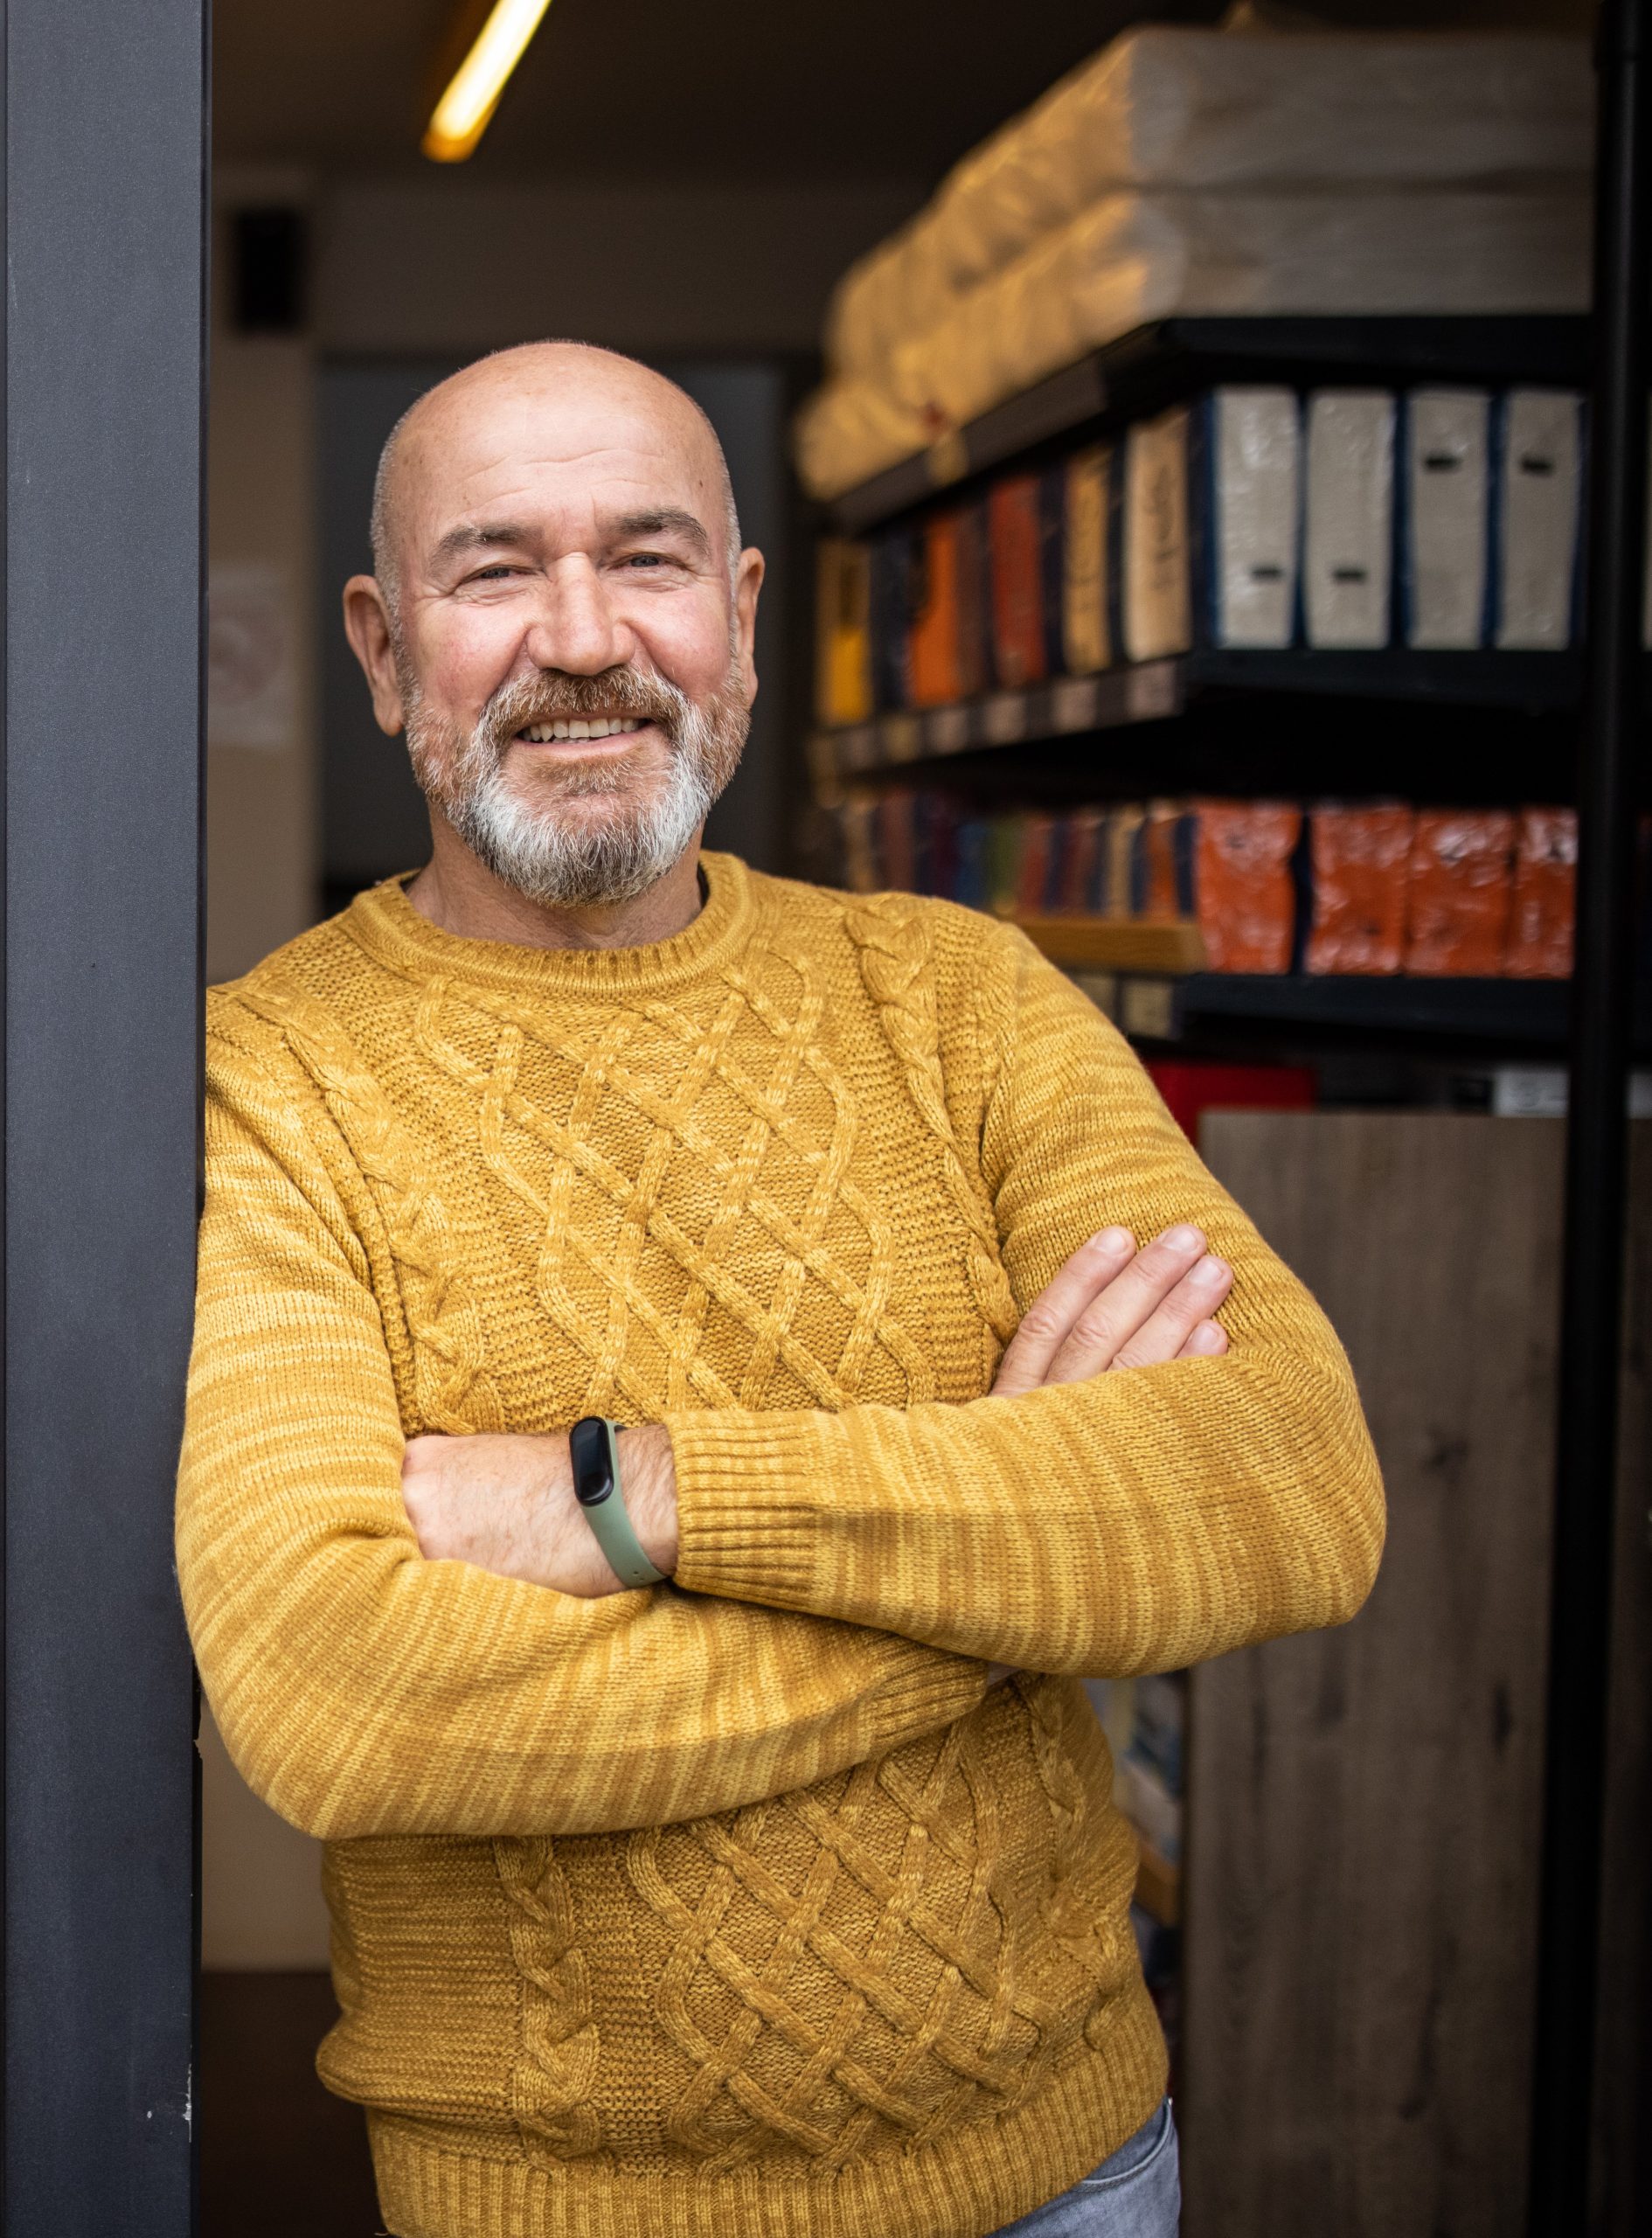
(458, 894)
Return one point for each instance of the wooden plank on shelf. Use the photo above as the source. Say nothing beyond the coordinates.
(1364, 1805)
(1117, 944)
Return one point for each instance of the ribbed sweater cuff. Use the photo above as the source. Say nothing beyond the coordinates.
(748, 1489)
(748, 1492)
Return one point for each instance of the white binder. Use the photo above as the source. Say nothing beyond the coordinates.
(1158, 596)
(1539, 488)
(1253, 498)
(1446, 546)
(1348, 543)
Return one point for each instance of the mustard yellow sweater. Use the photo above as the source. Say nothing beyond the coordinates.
(742, 1906)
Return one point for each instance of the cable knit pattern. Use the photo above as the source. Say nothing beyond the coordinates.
(742, 1904)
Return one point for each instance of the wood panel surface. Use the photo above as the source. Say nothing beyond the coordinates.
(1364, 1804)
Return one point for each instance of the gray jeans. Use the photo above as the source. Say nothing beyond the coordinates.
(1135, 2194)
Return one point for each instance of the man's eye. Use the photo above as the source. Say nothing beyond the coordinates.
(492, 574)
(646, 560)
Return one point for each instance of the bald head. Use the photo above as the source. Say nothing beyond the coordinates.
(536, 394)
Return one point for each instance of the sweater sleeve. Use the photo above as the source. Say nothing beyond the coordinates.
(1140, 1520)
(363, 1690)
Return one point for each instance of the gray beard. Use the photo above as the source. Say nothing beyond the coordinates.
(579, 864)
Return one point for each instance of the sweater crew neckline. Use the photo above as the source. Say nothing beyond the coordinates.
(383, 923)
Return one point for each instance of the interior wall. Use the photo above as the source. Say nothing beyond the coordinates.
(260, 791)
(261, 1904)
(444, 267)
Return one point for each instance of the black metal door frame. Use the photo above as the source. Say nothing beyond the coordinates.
(105, 107)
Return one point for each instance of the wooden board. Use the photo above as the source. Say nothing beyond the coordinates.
(1364, 1804)
(1118, 943)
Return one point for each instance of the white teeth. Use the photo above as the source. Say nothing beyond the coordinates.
(604, 727)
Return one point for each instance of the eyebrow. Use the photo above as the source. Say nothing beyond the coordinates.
(492, 536)
(665, 520)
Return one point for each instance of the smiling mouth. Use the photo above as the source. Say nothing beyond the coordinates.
(592, 727)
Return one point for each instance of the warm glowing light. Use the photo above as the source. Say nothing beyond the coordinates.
(463, 114)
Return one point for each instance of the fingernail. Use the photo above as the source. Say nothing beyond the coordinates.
(1110, 1240)
(1207, 1338)
(1182, 1239)
(1210, 1275)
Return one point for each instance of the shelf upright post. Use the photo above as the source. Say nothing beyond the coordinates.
(1597, 1145)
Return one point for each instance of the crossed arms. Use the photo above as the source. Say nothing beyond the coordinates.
(842, 1580)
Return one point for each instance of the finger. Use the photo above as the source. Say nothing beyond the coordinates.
(1208, 1342)
(1049, 1320)
(1195, 1298)
(1117, 1312)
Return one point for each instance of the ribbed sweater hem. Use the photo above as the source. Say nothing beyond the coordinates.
(985, 2175)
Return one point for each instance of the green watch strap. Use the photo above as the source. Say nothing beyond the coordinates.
(594, 1451)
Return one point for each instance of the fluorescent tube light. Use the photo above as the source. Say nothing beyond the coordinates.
(463, 114)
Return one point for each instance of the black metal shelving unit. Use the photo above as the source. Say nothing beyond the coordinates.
(1146, 692)
(1600, 1015)
(1175, 357)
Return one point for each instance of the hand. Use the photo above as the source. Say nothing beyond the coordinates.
(507, 1505)
(1113, 1306)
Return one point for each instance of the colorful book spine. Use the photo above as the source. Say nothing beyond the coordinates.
(974, 600)
(1157, 591)
(891, 564)
(1459, 893)
(933, 646)
(842, 632)
(1087, 637)
(1052, 536)
(1018, 620)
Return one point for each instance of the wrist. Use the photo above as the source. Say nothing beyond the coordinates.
(648, 1478)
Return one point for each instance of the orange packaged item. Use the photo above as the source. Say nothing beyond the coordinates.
(1245, 892)
(1014, 532)
(1542, 916)
(1457, 920)
(1359, 860)
(931, 648)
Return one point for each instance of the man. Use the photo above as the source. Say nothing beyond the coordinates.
(781, 1891)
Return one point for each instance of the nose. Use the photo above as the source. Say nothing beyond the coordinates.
(575, 627)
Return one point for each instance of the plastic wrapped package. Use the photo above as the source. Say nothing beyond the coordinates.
(1168, 106)
(1541, 915)
(1129, 258)
(1246, 895)
(1457, 914)
(1359, 865)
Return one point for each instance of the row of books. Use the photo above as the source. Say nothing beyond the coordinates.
(1337, 887)
(1258, 517)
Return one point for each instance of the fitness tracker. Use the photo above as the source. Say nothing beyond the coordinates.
(593, 1450)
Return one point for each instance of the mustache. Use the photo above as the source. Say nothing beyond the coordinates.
(553, 695)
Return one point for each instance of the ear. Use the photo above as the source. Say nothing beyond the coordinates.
(367, 627)
(748, 580)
